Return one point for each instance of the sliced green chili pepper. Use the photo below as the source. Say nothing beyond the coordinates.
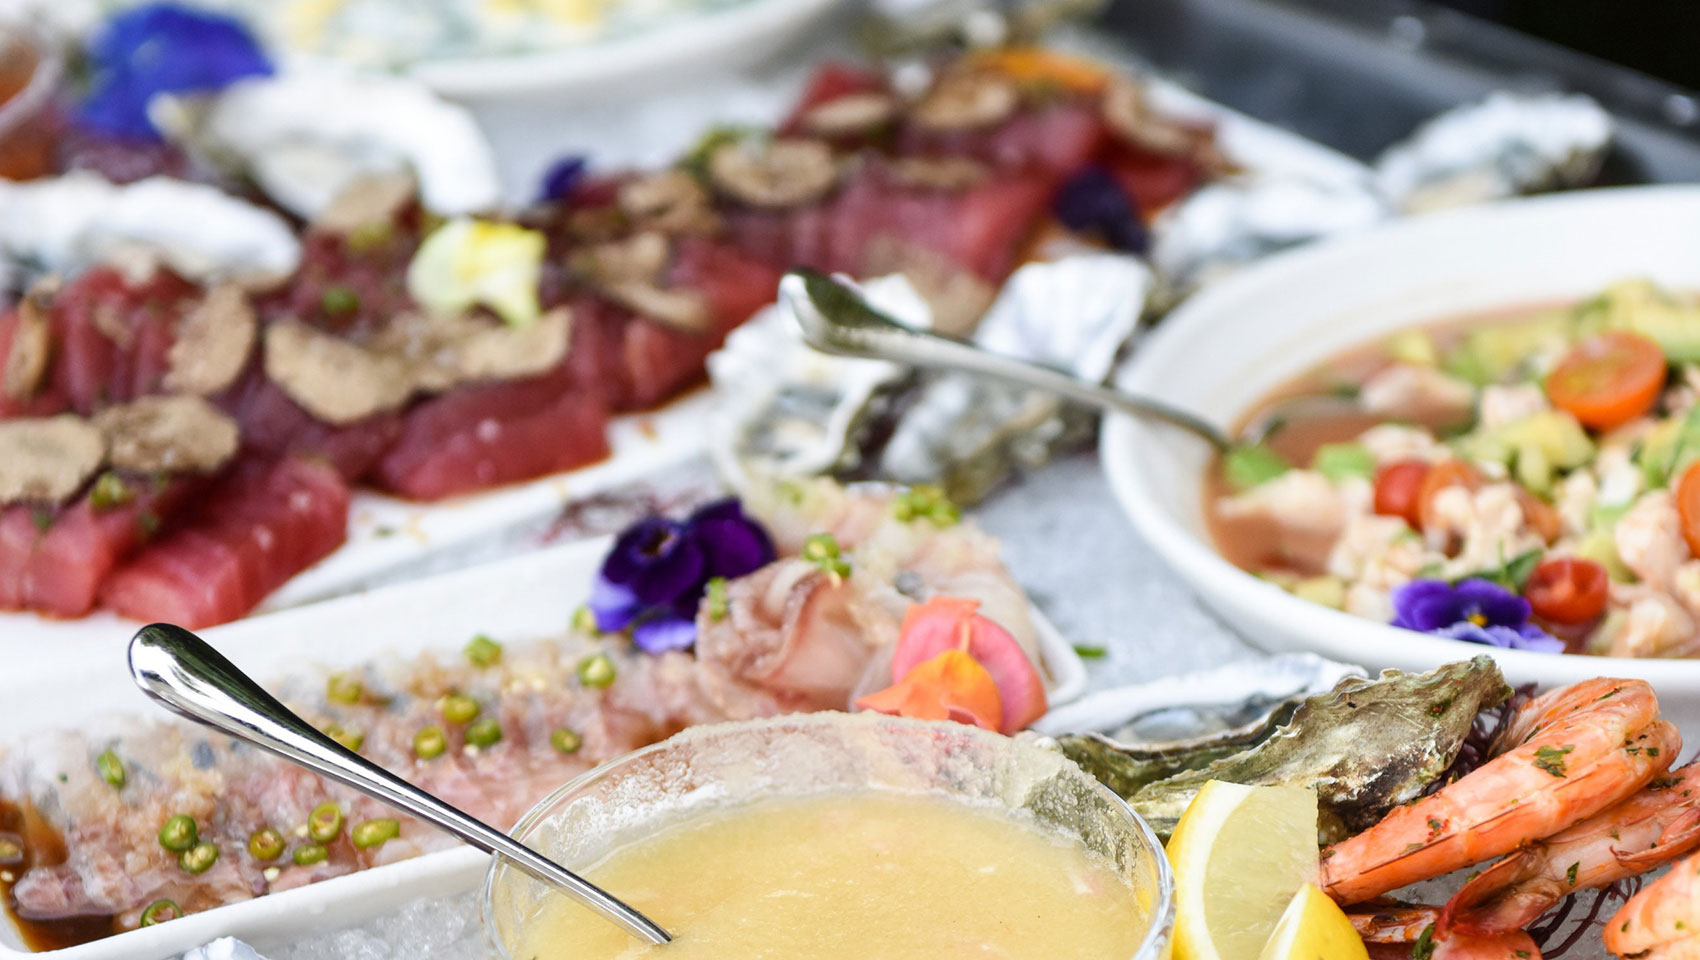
(309, 853)
(344, 688)
(566, 741)
(265, 844)
(347, 736)
(160, 911)
(714, 598)
(198, 858)
(459, 708)
(429, 743)
(324, 823)
(597, 670)
(584, 620)
(111, 769)
(109, 491)
(178, 833)
(484, 732)
(483, 651)
(375, 833)
(823, 551)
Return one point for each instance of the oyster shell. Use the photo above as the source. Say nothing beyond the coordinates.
(964, 434)
(1366, 746)
(1228, 224)
(784, 410)
(1503, 146)
(307, 133)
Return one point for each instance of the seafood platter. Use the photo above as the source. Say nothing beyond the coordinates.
(273, 328)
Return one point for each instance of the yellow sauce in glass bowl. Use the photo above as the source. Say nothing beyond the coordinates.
(853, 875)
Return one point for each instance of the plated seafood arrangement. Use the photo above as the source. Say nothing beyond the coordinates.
(799, 703)
(177, 382)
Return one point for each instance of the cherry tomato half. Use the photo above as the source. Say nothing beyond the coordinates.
(1688, 507)
(1397, 486)
(1567, 590)
(1608, 380)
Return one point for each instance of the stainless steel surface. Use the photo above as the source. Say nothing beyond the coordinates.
(836, 320)
(183, 672)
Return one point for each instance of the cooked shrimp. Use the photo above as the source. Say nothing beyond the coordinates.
(1652, 828)
(1577, 751)
(1402, 924)
(1662, 922)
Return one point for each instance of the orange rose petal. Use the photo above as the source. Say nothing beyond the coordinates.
(950, 686)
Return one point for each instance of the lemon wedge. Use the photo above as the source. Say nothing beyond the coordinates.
(1239, 855)
(1314, 928)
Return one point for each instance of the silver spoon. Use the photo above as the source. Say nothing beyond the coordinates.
(189, 677)
(835, 319)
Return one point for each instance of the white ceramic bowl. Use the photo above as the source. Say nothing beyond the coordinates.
(1230, 345)
(660, 58)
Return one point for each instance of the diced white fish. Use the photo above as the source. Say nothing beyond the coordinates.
(1488, 523)
(69, 223)
(1417, 392)
(1392, 442)
(1656, 625)
(1304, 507)
(1502, 405)
(1649, 538)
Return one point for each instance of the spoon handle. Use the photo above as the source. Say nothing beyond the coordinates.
(189, 677)
(836, 320)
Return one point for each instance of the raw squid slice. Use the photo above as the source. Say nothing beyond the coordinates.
(259, 527)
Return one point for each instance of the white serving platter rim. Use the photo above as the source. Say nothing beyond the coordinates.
(736, 35)
(1340, 278)
(519, 599)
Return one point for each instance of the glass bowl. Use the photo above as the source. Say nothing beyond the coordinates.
(728, 765)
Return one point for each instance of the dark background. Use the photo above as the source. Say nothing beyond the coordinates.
(1659, 37)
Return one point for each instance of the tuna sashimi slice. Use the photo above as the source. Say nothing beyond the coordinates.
(274, 427)
(111, 337)
(978, 229)
(83, 543)
(262, 525)
(485, 436)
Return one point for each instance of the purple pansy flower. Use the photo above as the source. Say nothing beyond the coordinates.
(1094, 202)
(162, 48)
(1475, 610)
(562, 178)
(654, 577)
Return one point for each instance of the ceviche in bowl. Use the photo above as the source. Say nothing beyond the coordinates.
(1470, 428)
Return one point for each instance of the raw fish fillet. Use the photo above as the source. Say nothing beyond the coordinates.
(111, 337)
(54, 560)
(274, 426)
(262, 525)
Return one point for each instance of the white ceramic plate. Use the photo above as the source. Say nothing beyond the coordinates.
(523, 598)
(1224, 349)
(665, 55)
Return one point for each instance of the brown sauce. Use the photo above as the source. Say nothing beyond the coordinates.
(43, 847)
(1257, 544)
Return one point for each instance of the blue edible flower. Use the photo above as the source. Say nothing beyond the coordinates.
(162, 48)
(1475, 611)
(654, 577)
(562, 177)
(1093, 202)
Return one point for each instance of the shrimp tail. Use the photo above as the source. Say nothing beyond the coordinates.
(1678, 839)
(1507, 896)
